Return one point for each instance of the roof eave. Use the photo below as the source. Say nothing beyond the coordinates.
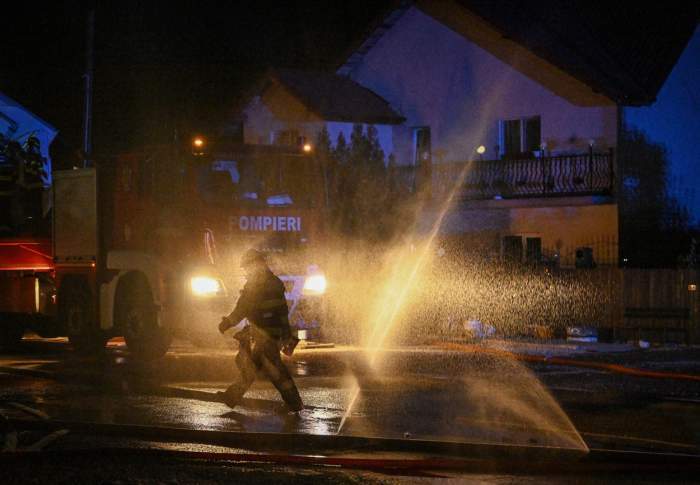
(369, 120)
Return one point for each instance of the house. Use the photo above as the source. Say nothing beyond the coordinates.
(292, 106)
(514, 112)
(18, 123)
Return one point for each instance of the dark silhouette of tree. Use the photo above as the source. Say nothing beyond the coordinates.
(362, 203)
(654, 225)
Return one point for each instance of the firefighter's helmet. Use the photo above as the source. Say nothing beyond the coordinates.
(252, 256)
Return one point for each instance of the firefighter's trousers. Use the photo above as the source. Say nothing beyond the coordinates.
(263, 355)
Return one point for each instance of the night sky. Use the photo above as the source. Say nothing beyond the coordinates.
(165, 67)
(674, 121)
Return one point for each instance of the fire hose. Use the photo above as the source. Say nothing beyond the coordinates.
(616, 368)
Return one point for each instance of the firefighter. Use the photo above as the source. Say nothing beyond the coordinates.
(21, 183)
(8, 187)
(263, 303)
(31, 174)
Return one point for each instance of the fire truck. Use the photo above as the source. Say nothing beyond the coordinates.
(26, 264)
(145, 245)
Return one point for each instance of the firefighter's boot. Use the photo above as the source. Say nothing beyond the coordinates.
(233, 396)
(279, 376)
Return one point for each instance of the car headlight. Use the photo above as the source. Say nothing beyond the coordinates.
(205, 286)
(315, 285)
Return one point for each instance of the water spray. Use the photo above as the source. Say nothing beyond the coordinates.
(404, 279)
(381, 326)
(380, 330)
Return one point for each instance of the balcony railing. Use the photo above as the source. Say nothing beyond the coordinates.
(558, 176)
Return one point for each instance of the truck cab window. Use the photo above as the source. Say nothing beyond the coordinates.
(216, 187)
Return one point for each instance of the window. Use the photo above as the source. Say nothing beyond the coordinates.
(215, 187)
(533, 249)
(421, 146)
(287, 138)
(533, 139)
(513, 249)
(511, 137)
(520, 137)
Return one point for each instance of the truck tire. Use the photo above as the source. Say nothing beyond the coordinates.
(77, 316)
(136, 317)
(11, 332)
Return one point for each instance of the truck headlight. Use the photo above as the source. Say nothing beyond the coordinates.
(205, 286)
(315, 285)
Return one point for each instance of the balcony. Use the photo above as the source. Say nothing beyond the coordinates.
(557, 176)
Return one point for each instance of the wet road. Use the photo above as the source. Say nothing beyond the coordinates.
(418, 394)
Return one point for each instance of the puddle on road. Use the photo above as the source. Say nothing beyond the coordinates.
(472, 399)
(414, 395)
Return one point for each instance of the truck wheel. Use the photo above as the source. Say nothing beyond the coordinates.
(137, 318)
(78, 319)
(11, 333)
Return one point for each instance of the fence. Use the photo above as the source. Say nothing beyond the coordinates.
(656, 305)
(604, 252)
(566, 175)
(659, 305)
(624, 304)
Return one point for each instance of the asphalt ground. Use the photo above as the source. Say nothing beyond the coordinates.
(418, 395)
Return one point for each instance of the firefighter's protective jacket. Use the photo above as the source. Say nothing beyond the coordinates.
(263, 303)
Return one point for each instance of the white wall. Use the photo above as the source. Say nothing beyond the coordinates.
(437, 78)
(261, 122)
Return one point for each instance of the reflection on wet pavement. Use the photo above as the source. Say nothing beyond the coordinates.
(414, 394)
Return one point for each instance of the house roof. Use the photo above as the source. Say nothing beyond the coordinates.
(623, 50)
(336, 98)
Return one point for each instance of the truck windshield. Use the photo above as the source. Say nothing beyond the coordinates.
(259, 183)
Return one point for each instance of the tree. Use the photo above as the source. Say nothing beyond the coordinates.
(341, 151)
(358, 185)
(654, 225)
(376, 154)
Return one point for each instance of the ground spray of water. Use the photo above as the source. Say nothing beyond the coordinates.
(396, 290)
(517, 402)
(488, 400)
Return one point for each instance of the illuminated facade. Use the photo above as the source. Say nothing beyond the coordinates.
(527, 144)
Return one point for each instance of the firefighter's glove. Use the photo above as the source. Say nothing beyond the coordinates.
(288, 345)
(243, 336)
(224, 324)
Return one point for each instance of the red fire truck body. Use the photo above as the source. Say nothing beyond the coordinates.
(26, 286)
(146, 245)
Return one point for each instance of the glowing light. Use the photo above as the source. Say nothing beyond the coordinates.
(315, 285)
(692, 287)
(205, 286)
(481, 150)
(307, 148)
(198, 142)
